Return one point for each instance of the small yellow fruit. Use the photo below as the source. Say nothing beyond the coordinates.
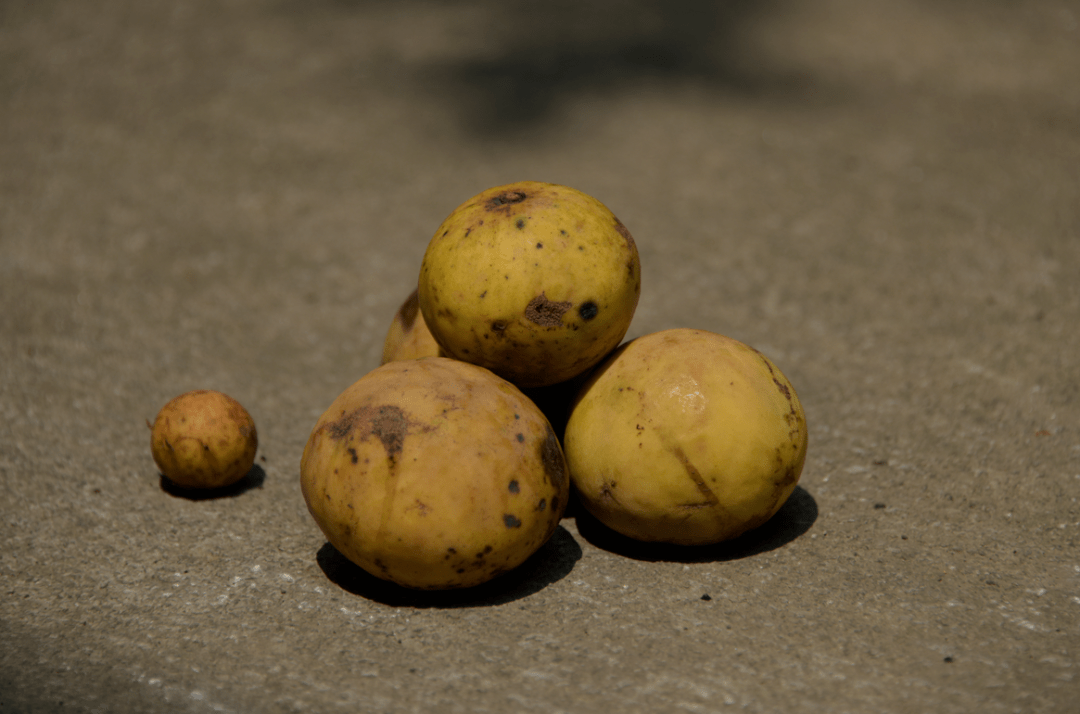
(203, 439)
(409, 336)
(534, 281)
(434, 474)
(685, 436)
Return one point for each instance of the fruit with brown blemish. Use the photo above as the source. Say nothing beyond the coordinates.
(434, 473)
(685, 436)
(534, 281)
(203, 439)
(409, 336)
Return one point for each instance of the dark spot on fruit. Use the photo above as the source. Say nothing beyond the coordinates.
(352, 452)
(511, 521)
(514, 488)
(783, 388)
(588, 310)
(483, 295)
(498, 327)
(520, 223)
(706, 597)
(545, 312)
(551, 456)
(562, 232)
(542, 505)
(386, 422)
(446, 232)
(520, 438)
(506, 198)
(539, 245)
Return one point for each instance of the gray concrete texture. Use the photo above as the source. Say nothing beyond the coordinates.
(884, 197)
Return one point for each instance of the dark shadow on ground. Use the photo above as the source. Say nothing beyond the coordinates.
(793, 519)
(541, 54)
(254, 478)
(551, 563)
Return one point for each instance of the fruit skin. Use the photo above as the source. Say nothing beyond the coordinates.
(534, 281)
(434, 474)
(685, 436)
(203, 439)
(409, 336)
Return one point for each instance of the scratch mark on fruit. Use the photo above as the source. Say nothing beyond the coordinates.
(545, 312)
(695, 476)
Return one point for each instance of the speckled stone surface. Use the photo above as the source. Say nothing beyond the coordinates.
(883, 197)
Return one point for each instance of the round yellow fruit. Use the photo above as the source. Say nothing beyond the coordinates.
(534, 281)
(685, 436)
(203, 439)
(409, 336)
(433, 474)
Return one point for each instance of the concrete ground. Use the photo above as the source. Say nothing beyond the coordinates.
(884, 197)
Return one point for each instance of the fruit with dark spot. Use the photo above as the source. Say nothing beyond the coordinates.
(685, 436)
(534, 281)
(203, 439)
(409, 336)
(423, 463)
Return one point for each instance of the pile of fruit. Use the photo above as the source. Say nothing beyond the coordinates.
(440, 469)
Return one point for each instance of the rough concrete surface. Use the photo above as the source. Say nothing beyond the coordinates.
(884, 197)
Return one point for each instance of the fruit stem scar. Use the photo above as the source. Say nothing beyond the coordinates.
(507, 197)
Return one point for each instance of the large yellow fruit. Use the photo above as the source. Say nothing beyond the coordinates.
(434, 473)
(408, 336)
(534, 281)
(685, 436)
(203, 439)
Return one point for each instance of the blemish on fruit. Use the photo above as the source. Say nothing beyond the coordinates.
(505, 198)
(514, 487)
(625, 234)
(520, 438)
(352, 453)
(695, 476)
(552, 458)
(511, 521)
(545, 312)
(498, 327)
(519, 223)
(588, 310)
(542, 505)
